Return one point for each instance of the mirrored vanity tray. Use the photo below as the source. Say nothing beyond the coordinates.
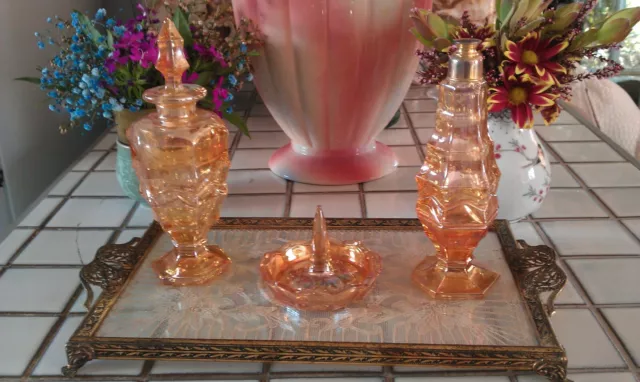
(136, 317)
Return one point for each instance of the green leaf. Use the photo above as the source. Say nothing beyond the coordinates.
(441, 44)
(237, 121)
(436, 25)
(91, 30)
(204, 78)
(529, 27)
(422, 40)
(504, 7)
(519, 10)
(613, 32)
(631, 14)
(110, 40)
(253, 53)
(33, 80)
(560, 24)
(181, 20)
(583, 39)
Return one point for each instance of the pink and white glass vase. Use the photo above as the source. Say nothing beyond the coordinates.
(332, 74)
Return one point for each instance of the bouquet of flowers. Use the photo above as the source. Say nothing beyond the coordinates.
(530, 52)
(104, 65)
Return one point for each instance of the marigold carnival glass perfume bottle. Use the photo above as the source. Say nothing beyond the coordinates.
(457, 183)
(180, 155)
(321, 274)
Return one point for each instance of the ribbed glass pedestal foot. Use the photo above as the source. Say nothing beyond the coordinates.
(178, 269)
(440, 282)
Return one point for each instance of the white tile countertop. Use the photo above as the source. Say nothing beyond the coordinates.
(591, 217)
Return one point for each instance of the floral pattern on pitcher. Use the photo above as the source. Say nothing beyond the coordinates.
(526, 172)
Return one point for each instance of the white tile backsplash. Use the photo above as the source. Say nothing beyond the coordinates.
(590, 237)
(66, 184)
(178, 367)
(625, 322)
(108, 163)
(12, 242)
(87, 162)
(560, 177)
(609, 281)
(391, 205)
(404, 178)
(261, 140)
(622, 201)
(585, 342)
(586, 152)
(21, 337)
(92, 213)
(566, 133)
(63, 247)
(40, 212)
(99, 184)
(422, 105)
(395, 137)
(333, 205)
(255, 182)
(37, 290)
(253, 206)
(608, 174)
(407, 156)
(569, 203)
(421, 120)
(251, 159)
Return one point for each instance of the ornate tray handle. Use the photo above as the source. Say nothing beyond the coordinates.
(110, 268)
(541, 273)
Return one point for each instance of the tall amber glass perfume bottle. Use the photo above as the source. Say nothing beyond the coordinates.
(457, 183)
(180, 156)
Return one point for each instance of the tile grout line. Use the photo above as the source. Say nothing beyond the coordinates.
(583, 185)
(145, 373)
(238, 136)
(288, 199)
(414, 134)
(597, 314)
(363, 200)
(611, 334)
(48, 218)
(51, 334)
(387, 374)
(46, 342)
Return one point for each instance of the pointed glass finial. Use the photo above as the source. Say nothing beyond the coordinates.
(172, 62)
(320, 244)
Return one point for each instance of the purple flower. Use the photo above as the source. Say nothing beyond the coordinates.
(189, 78)
(211, 52)
(219, 95)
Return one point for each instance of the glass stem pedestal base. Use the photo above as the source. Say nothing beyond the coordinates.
(196, 268)
(433, 276)
(333, 167)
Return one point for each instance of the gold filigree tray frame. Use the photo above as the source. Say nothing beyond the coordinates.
(534, 270)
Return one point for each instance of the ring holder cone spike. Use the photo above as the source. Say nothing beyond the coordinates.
(457, 184)
(180, 156)
(321, 274)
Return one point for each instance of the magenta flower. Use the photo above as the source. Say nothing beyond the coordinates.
(189, 78)
(219, 95)
(211, 52)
